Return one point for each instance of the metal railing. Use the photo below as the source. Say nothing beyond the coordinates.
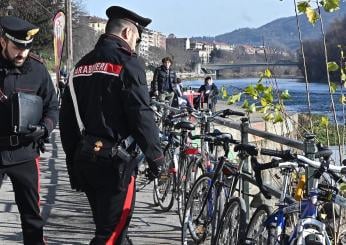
(307, 146)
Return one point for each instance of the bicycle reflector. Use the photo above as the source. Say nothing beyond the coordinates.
(298, 195)
(191, 151)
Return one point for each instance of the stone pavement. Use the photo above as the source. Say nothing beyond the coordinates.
(67, 214)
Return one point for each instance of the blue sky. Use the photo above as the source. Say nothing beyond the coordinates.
(186, 18)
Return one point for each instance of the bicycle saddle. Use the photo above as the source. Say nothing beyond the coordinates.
(184, 125)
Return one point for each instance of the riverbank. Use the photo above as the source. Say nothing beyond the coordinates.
(199, 76)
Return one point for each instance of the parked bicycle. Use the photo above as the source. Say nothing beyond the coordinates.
(271, 228)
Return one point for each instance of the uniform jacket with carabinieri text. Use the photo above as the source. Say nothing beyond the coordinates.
(113, 99)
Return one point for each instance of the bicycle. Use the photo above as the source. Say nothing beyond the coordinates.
(202, 203)
(308, 230)
(177, 152)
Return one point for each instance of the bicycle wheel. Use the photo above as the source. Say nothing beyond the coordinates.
(155, 200)
(141, 178)
(198, 219)
(165, 186)
(256, 232)
(192, 172)
(232, 225)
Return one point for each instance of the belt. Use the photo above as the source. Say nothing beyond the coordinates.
(11, 140)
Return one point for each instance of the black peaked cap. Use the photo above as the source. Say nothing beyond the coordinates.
(117, 12)
(19, 31)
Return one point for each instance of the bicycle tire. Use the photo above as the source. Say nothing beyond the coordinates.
(164, 187)
(233, 223)
(141, 178)
(193, 171)
(155, 201)
(198, 195)
(258, 234)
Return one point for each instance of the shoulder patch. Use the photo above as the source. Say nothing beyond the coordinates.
(36, 57)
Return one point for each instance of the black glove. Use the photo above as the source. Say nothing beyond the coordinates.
(153, 173)
(37, 132)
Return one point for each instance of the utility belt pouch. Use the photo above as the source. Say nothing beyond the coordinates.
(95, 149)
(25, 109)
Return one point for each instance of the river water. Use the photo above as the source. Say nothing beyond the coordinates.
(319, 94)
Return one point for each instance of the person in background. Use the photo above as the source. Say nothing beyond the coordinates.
(180, 100)
(209, 93)
(62, 81)
(23, 72)
(163, 81)
(113, 100)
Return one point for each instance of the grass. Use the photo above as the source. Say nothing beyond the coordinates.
(322, 132)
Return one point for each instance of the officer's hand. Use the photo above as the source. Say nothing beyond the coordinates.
(36, 132)
(153, 173)
(156, 93)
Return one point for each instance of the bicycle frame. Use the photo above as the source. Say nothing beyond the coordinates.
(308, 224)
(308, 217)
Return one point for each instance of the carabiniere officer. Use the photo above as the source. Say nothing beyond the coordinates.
(23, 72)
(113, 101)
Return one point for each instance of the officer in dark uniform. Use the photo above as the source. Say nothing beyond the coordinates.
(113, 101)
(21, 71)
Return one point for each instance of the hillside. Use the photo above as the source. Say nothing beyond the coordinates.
(282, 32)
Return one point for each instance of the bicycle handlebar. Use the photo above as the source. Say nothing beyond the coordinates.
(284, 154)
(229, 112)
(315, 164)
(289, 160)
(222, 113)
(179, 115)
(325, 153)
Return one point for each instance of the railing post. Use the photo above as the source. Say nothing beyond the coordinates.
(309, 150)
(246, 167)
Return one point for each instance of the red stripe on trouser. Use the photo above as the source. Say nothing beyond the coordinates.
(37, 159)
(124, 214)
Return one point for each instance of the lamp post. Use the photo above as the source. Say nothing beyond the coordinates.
(68, 8)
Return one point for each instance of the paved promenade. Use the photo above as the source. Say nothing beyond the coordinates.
(67, 214)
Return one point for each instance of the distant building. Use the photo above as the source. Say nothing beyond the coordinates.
(223, 46)
(247, 49)
(201, 56)
(151, 38)
(96, 23)
(173, 42)
(203, 49)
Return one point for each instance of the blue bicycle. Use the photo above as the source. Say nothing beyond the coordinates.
(268, 227)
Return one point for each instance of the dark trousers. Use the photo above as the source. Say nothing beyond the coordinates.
(111, 195)
(25, 178)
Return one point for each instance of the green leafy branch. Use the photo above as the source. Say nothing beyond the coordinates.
(311, 13)
(261, 100)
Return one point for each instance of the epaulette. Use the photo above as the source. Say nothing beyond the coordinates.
(36, 57)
